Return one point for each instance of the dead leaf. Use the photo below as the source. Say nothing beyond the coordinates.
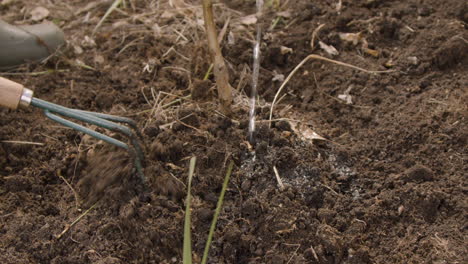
(305, 132)
(88, 42)
(248, 20)
(285, 50)
(328, 49)
(99, 59)
(167, 14)
(285, 14)
(413, 60)
(389, 64)
(122, 24)
(174, 167)
(231, 38)
(157, 30)
(311, 135)
(39, 13)
(346, 96)
(373, 53)
(354, 38)
(77, 49)
(277, 77)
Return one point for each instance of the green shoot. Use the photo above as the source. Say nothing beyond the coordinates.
(216, 214)
(108, 12)
(208, 72)
(187, 250)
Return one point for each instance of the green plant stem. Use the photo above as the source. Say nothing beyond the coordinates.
(216, 214)
(187, 250)
(207, 74)
(114, 5)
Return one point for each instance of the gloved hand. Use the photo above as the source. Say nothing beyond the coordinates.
(23, 44)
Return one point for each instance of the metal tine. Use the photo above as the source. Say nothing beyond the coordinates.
(86, 130)
(91, 118)
(99, 120)
(114, 118)
(120, 119)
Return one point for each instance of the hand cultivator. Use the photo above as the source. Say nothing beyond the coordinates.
(14, 95)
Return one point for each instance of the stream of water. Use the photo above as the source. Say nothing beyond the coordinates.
(255, 72)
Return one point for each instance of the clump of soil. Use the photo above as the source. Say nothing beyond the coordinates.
(107, 168)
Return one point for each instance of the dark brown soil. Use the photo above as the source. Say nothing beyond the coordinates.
(389, 185)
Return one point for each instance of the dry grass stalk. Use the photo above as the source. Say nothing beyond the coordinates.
(316, 57)
(278, 179)
(314, 35)
(219, 67)
(67, 227)
(18, 142)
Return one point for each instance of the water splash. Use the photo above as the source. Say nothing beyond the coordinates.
(255, 72)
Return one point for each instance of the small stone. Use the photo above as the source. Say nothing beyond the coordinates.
(424, 83)
(104, 101)
(424, 11)
(245, 186)
(401, 208)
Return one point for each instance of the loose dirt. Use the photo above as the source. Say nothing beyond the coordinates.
(387, 186)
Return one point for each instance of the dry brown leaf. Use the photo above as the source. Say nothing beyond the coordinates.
(168, 14)
(373, 53)
(39, 13)
(328, 49)
(285, 14)
(305, 132)
(285, 50)
(248, 20)
(346, 96)
(389, 64)
(354, 38)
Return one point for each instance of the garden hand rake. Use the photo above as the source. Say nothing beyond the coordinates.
(14, 95)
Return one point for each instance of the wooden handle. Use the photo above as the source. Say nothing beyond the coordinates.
(10, 93)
